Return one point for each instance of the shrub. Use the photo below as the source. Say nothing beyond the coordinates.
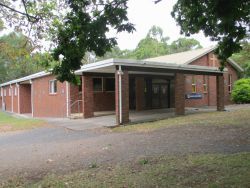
(241, 91)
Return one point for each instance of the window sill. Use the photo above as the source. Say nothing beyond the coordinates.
(52, 94)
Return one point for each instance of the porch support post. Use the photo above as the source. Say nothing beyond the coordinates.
(121, 96)
(87, 96)
(179, 94)
(139, 93)
(220, 93)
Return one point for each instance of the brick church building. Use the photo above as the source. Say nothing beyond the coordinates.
(186, 79)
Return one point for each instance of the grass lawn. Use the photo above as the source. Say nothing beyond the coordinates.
(10, 123)
(236, 118)
(213, 170)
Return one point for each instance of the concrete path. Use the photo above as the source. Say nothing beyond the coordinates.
(110, 120)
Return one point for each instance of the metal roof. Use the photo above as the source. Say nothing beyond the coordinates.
(187, 57)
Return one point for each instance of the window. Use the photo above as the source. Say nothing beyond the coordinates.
(97, 84)
(193, 84)
(110, 84)
(9, 91)
(230, 83)
(53, 86)
(1, 92)
(204, 84)
(4, 92)
(15, 91)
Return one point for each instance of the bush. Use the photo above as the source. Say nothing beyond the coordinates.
(241, 91)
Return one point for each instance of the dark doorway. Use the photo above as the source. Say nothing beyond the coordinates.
(132, 97)
(160, 96)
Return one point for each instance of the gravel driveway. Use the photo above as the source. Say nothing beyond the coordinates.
(40, 151)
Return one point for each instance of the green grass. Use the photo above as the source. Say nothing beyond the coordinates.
(211, 170)
(10, 123)
(235, 118)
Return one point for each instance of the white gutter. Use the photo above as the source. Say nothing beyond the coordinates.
(120, 73)
(67, 99)
(32, 105)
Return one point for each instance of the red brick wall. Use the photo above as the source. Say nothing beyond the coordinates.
(104, 101)
(49, 105)
(210, 97)
(15, 99)
(7, 99)
(75, 95)
(25, 98)
(235, 77)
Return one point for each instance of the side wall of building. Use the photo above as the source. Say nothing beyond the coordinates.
(209, 97)
(46, 104)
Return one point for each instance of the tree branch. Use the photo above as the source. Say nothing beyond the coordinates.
(19, 12)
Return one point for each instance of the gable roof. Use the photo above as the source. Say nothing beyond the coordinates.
(185, 58)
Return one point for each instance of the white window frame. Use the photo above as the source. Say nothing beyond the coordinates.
(52, 87)
(194, 84)
(205, 84)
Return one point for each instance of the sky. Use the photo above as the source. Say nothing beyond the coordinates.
(144, 14)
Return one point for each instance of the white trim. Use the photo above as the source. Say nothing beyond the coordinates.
(120, 93)
(52, 87)
(67, 99)
(27, 78)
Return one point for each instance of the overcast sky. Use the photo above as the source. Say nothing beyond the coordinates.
(144, 14)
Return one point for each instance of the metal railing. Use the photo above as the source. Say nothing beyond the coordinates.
(78, 105)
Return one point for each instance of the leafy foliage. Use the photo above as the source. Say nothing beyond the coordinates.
(243, 57)
(241, 91)
(84, 29)
(16, 59)
(32, 17)
(153, 45)
(184, 44)
(224, 21)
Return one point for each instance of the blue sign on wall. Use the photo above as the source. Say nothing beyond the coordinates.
(194, 96)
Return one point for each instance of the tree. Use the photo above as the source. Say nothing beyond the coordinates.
(75, 27)
(224, 21)
(84, 29)
(243, 57)
(154, 44)
(184, 44)
(16, 59)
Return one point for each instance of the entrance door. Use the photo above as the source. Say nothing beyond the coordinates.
(160, 96)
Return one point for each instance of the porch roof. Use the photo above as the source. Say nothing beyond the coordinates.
(133, 66)
(137, 66)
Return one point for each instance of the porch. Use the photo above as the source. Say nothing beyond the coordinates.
(107, 118)
(139, 85)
